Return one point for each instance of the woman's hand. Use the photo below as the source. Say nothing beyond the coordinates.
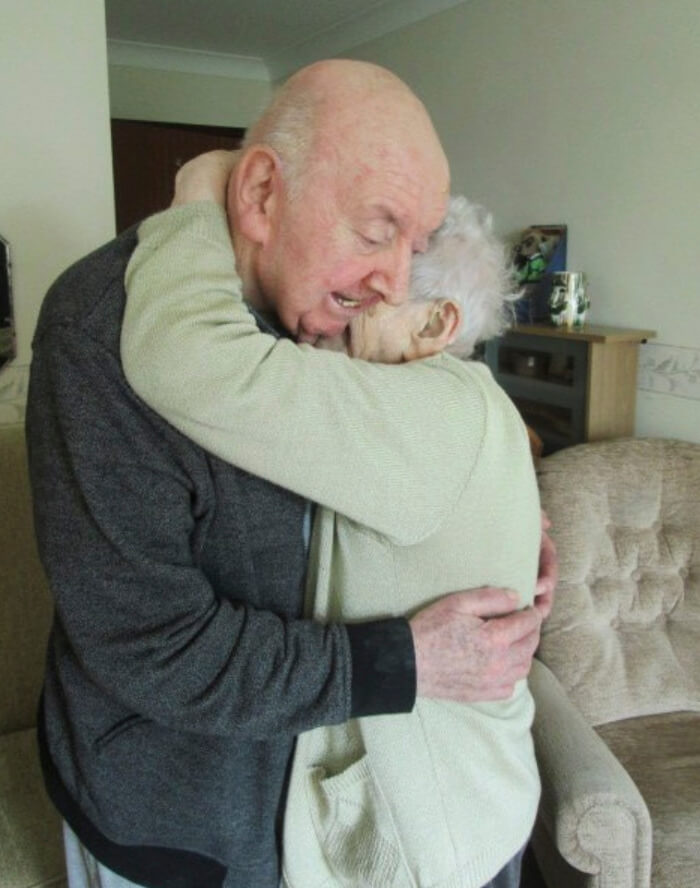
(548, 571)
(205, 177)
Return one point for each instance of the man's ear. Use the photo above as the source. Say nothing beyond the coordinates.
(254, 192)
(444, 317)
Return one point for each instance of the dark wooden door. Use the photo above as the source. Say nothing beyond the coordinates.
(146, 156)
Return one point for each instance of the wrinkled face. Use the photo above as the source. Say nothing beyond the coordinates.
(383, 333)
(346, 242)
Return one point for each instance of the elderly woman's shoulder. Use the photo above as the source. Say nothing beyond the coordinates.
(465, 368)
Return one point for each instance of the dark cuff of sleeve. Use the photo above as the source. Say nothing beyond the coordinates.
(383, 667)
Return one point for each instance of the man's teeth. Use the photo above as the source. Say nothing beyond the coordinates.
(347, 303)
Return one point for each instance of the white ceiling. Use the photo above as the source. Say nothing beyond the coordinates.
(279, 35)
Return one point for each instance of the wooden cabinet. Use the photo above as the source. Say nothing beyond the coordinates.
(570, 386)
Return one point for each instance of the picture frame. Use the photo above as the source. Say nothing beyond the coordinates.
(538, 253)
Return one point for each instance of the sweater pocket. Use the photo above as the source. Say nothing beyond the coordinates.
(117, 729)
(354, 827)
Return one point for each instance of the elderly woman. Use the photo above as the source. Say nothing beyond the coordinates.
(426, 483)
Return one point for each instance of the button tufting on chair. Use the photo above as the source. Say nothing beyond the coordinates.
(617, 679)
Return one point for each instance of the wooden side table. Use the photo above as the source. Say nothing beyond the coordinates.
(570, 385)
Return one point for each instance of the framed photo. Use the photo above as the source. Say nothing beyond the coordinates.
(538, 253)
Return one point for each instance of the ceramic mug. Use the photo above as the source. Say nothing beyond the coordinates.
(568, 301)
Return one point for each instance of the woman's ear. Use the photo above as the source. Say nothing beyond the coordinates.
(254, 191)
(444, 317)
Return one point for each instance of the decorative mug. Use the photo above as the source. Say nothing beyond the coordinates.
(568, 301)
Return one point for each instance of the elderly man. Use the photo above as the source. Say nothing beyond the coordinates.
(180, 668)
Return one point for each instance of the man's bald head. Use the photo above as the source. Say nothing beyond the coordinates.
(341, 101)
(341, 180)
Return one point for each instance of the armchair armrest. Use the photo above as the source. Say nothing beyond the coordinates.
(590, 807)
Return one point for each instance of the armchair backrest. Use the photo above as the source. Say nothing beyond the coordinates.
(624, 634)
(25, 603)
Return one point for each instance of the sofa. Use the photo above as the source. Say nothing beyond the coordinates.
(617, 676)
(30, 829)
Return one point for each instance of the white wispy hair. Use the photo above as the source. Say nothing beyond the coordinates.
(467, 263)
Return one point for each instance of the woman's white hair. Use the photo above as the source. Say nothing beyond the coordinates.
(467, 263)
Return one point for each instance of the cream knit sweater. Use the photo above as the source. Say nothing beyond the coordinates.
(425, 474)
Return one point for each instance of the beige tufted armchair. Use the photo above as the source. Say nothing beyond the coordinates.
(31, 850)
(617, 680)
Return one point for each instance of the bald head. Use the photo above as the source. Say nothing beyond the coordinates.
(324, 86)
(336, 83)
(341, 180)
(345, 103)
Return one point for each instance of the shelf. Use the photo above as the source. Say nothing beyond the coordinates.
(587, 333)
(570, 385)
(533, 388)
(558, 425)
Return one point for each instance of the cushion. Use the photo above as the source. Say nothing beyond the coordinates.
(662, 755)
(25, 603)
(624, 634)
(30, 828)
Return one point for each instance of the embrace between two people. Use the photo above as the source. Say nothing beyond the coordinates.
(181, 631)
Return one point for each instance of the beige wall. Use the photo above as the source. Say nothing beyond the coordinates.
(56, 199)
(176, 97)
(586, 113)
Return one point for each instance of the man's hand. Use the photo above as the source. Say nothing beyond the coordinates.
(473, 646)
(205, 177)
(548, 572)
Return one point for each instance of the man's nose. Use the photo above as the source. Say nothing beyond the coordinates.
(391, 275)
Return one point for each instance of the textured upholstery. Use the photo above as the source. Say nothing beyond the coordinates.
(30, 831)
(623, 637)
(29, 825)
(662, 755)
(25, 610)
(617, 684)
